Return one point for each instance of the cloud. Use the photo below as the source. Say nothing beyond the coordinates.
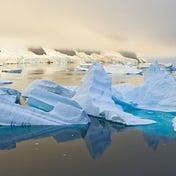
(141, 25)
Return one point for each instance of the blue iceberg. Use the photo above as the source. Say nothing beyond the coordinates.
(62, 114)
(157, 92)
(95, 97)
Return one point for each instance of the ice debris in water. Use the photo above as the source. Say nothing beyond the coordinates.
(17, 71)
(157, 92)
(95, 96)
(49, 86)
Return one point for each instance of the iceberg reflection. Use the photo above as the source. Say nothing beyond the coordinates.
(97, 135)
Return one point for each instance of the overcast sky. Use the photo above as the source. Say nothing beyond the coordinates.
(146, 26)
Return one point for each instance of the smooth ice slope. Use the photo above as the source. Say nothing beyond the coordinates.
(95, 96)
(157, 92)
(49, 86)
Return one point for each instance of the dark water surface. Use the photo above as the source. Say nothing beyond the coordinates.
(102, 148)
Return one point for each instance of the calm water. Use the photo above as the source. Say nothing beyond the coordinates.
(101, 148)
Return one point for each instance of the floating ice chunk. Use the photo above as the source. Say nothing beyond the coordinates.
(62, 114)
(49, 86)
(157, 92)
(12, 71)
(95, 96)
(4, 82)
(10, 95)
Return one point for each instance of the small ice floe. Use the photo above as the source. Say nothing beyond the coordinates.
(83, 67)
(4, 82)
(17, 71)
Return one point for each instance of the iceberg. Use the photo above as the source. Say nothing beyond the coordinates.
(157, 92)
(49, 86)
(95, 97)
(63, 113)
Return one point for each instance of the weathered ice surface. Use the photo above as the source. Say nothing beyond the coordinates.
(95, 97)
(157, 92)
(49, 86)
(63, 114)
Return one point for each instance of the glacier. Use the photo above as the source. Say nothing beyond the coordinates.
(95, 97)
(156, 92)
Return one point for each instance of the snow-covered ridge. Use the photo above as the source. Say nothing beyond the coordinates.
(49, 55)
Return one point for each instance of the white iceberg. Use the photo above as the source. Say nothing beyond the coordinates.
(95, 97)
(157, 92)
(49, 86)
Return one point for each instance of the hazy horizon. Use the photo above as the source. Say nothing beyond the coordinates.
(143, 26)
